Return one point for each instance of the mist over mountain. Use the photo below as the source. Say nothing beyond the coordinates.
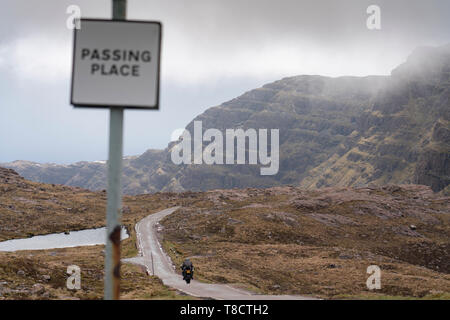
(345, 131)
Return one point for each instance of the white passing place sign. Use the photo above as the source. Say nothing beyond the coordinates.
(116, 64)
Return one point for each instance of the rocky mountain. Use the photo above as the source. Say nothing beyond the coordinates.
(405, 134)
(345, 131)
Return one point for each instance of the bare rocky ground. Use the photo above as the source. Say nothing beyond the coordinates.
(28, 208)
(282, 240)
(291, 241)
(41, 275)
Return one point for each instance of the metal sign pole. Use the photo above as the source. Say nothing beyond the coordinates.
(112, 258)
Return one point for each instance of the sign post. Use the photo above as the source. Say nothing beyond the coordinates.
(114, 202)
(116, 65)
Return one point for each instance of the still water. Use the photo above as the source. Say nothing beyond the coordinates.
(89, 237)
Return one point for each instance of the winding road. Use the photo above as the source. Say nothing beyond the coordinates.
(153, 257)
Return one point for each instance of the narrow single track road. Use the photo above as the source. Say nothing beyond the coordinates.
(153, 257)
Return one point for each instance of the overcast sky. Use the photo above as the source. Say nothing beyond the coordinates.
(213, 51)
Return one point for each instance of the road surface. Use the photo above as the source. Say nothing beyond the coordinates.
(152, 256)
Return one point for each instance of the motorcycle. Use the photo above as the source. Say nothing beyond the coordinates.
(187, 275)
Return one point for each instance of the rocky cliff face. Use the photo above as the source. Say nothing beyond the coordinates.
(346, 131)
(404, 136)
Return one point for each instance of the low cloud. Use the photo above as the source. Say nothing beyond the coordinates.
(37, 58)
(209, 40)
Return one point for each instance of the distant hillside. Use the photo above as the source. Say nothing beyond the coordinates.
(29, 208)
(346, 131)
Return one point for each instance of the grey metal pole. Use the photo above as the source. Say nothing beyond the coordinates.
(114, 204)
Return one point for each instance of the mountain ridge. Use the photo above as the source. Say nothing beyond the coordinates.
(344, 131)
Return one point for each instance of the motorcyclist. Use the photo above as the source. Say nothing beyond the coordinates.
(187, 264)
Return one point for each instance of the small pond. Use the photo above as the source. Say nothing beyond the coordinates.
(89, 237)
